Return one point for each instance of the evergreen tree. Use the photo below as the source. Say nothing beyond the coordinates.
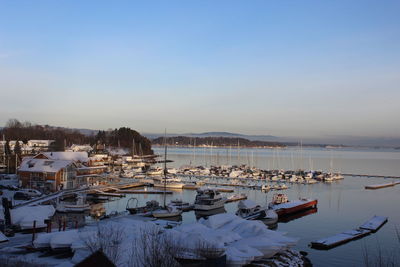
(17, 149)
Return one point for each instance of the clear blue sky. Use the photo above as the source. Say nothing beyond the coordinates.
(287, 68)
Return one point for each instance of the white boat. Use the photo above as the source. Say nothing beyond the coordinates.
(209, 199)
(167, 212)
(249, 210)
(79, 206)
(168, 182)
(266, 187)
(157, 171)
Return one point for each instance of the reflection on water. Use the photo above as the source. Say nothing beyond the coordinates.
(206, 213)
(297, 215)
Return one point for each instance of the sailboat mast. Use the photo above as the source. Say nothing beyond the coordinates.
(165, 165)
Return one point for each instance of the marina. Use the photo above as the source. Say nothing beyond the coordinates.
(116, 196)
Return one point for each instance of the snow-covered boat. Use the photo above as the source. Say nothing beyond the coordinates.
(79, 206)
(168, 212)
(249, 210)
(209, 199)
(283, 206)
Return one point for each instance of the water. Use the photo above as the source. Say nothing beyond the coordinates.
(342, 205)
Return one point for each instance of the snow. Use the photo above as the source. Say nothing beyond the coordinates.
(24, 216)
(67, 155)
(43, 165)
(3, 238)
(242, 241)
(247, 204)
(374, 223)
(63, 239)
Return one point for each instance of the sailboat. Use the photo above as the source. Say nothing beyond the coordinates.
(166, 211)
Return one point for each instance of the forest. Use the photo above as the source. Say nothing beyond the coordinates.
(122, 137)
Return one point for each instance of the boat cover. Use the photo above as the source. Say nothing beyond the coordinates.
(247, 204)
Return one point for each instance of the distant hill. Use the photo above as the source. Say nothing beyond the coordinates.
(266, 138)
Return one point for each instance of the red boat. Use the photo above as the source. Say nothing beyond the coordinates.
(283, 206)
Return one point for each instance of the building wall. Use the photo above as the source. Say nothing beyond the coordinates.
(63, 179)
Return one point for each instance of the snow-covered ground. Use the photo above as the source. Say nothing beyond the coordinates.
(127, 241)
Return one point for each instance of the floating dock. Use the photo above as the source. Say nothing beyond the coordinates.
(370, 226)
(339, 239)
(374, 223)
(378, 186)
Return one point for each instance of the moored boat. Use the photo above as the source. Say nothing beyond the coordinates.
(209, 199)
(249, 210)
(283, 206)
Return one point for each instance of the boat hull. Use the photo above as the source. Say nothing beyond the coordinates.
(218, 204)
(297, 208)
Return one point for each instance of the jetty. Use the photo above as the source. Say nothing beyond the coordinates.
(378, 186)
(370, 226)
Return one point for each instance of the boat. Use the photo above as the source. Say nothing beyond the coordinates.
(249, 210)
(168, 212)
(209, 199)
(79, 206)
(157, 171)
(283, 206)
(168, 182)
(266, 187)
(146, 210)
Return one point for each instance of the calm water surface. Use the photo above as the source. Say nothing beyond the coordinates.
(342, 205)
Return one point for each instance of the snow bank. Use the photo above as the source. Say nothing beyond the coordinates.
(24, 216)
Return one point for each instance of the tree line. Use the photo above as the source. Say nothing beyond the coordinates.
(122, 137)
(214, 141)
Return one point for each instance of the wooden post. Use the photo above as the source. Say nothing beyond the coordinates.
(34, 231)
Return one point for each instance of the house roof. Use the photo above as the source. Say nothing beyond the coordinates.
(67, 155)
(43, 165)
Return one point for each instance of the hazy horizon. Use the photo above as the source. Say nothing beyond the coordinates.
(290, 69)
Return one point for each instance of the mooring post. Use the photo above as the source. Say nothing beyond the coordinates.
(33, 231)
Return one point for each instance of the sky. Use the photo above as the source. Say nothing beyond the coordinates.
(284, 68)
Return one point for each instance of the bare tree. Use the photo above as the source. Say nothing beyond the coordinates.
(154, 249)
(108, 240)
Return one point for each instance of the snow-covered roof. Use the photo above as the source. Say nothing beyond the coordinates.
(67, 155)
(43, 165)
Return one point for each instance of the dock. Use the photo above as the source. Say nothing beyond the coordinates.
(370, 226)
(378, 186)
(375, 223)
(339, 239)
(142, 191)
